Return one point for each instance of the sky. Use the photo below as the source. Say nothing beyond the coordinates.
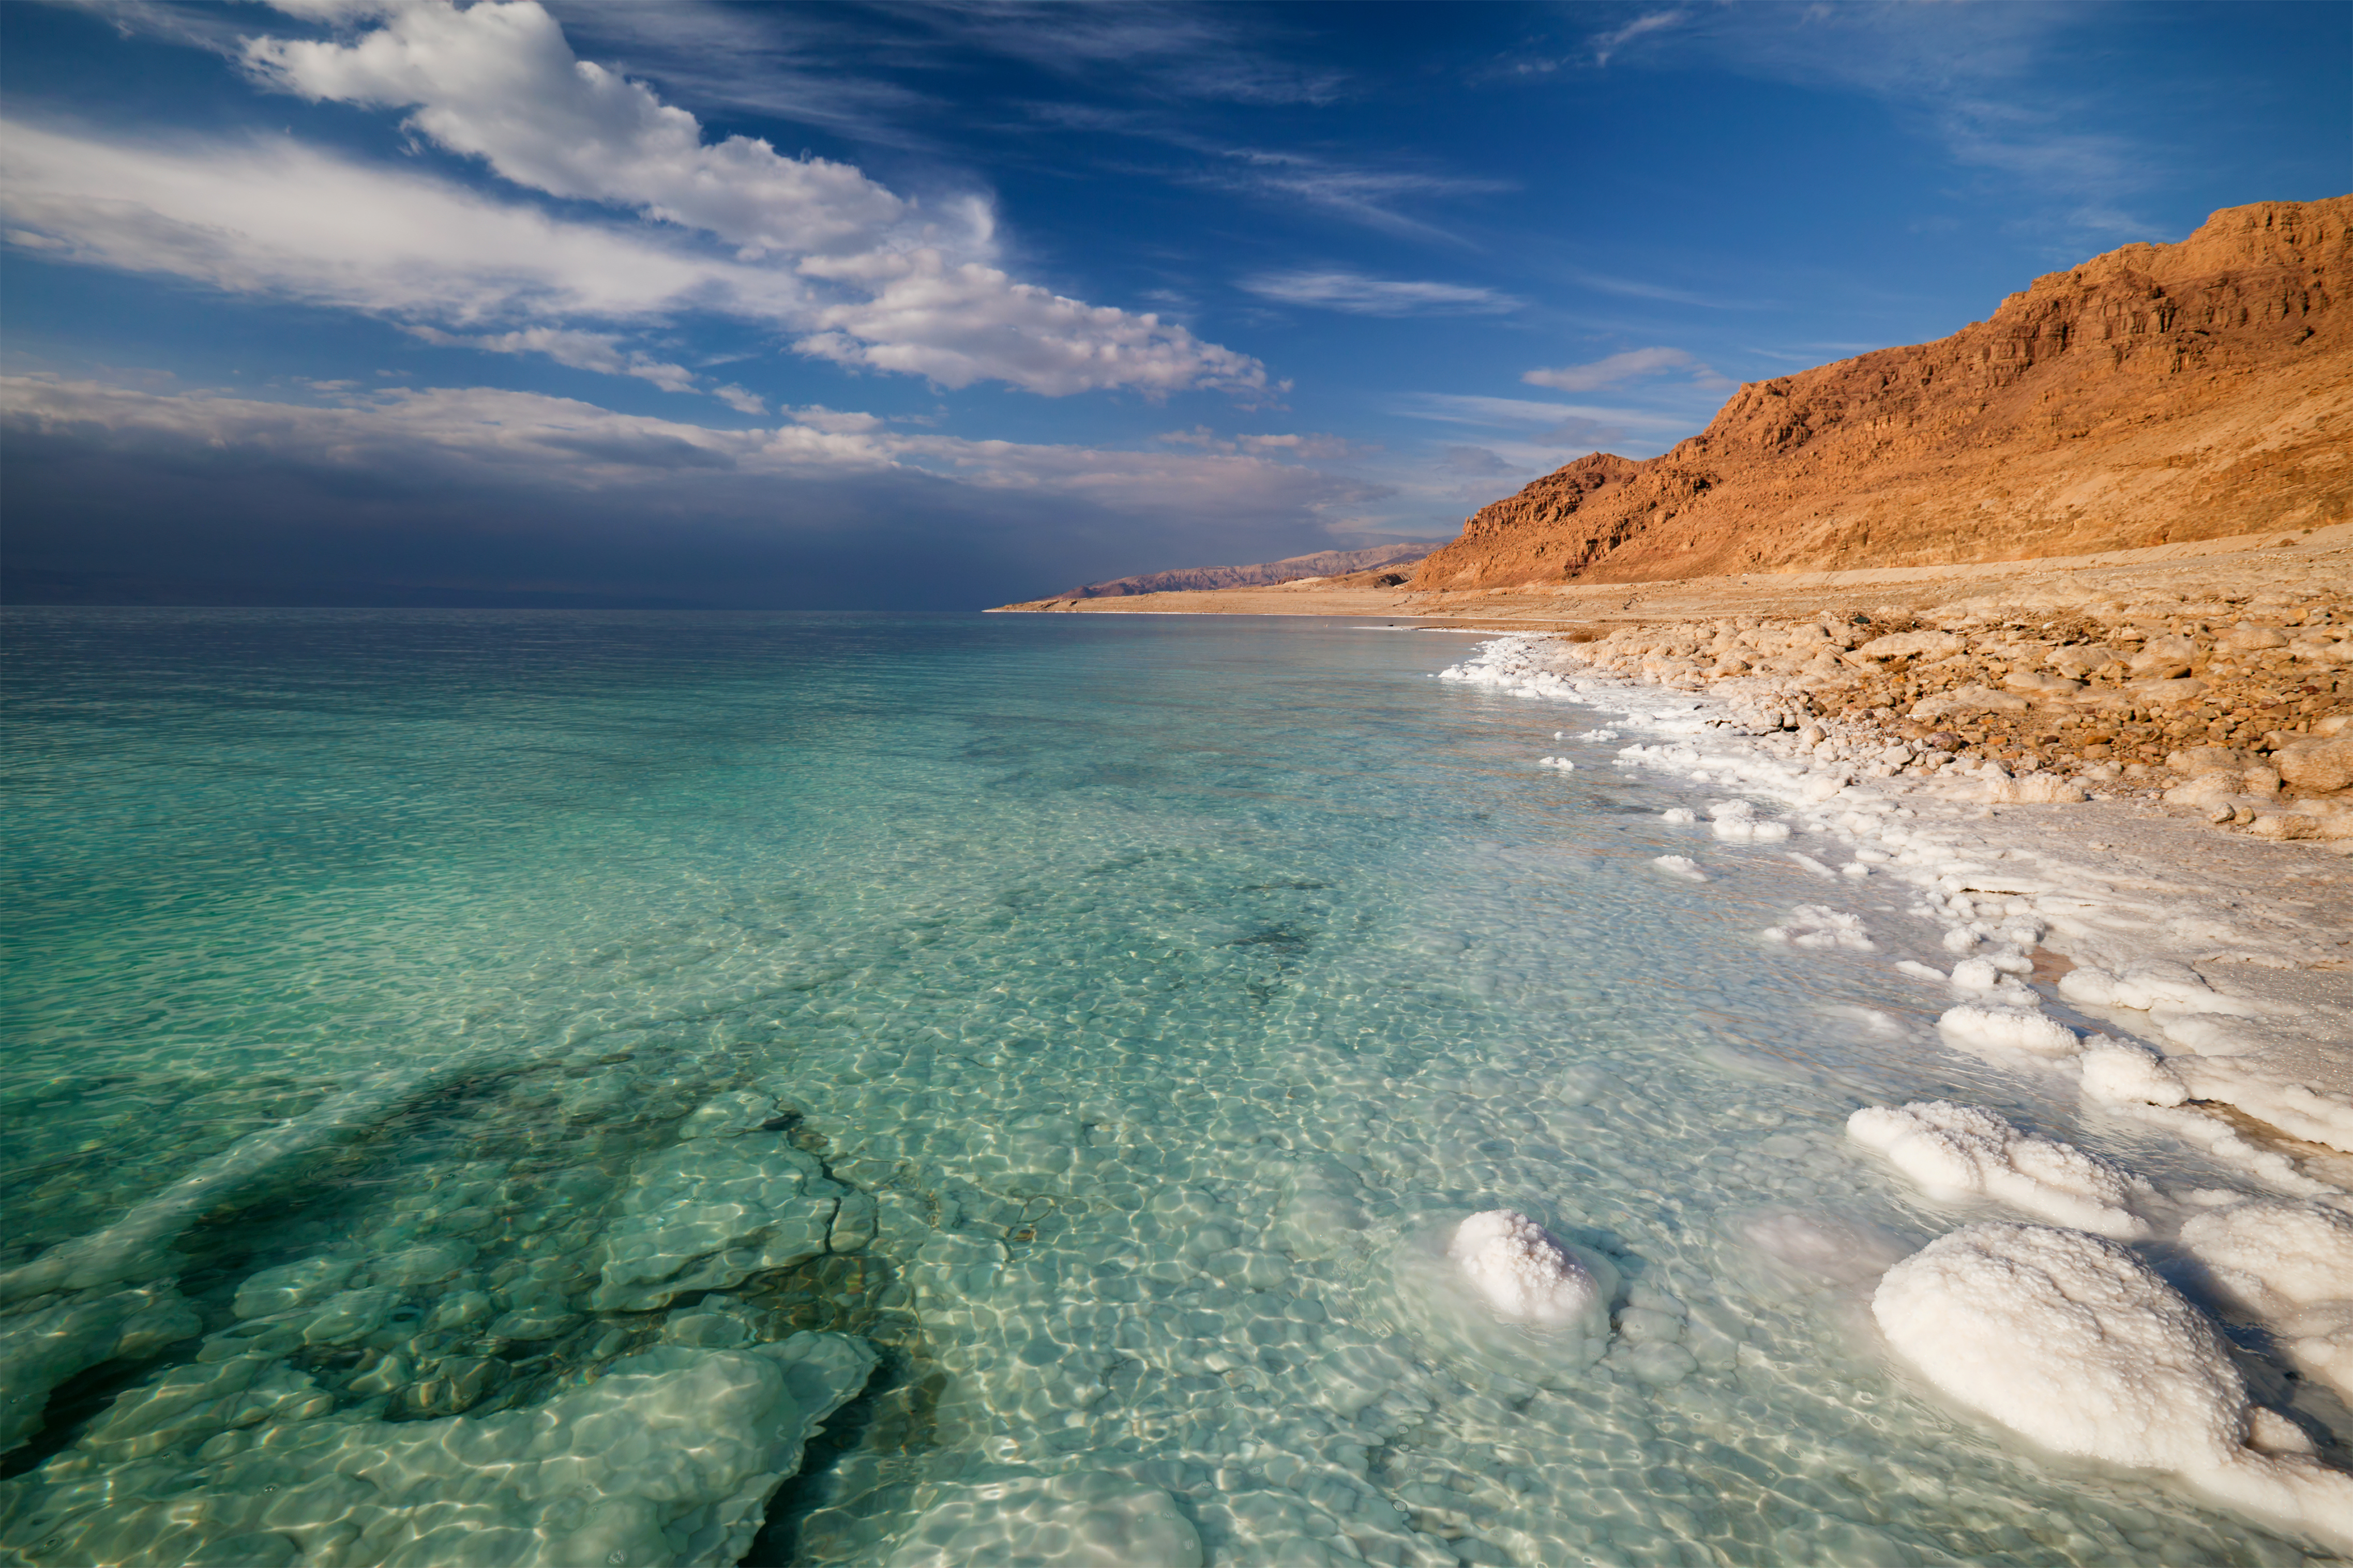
(859, 306)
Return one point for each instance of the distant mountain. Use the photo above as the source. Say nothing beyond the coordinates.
(2155, 395)
(1322, 564)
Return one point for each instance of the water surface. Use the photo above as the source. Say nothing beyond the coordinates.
(1082, 1011)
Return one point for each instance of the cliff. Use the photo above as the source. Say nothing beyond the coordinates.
(1322, 564)
(2155, 395)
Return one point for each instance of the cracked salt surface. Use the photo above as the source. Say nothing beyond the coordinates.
(542, 1070)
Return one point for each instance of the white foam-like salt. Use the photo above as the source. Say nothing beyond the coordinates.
(1682, 865)
(2008, 1029)
(1525, 1272)
(2075, 1343)
(1959, 1150)
(2117, 1072)
(1818, 925)
(2289, 1267)
(1678, 816)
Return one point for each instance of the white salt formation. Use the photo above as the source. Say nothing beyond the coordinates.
(1522, 1271)
(2288, 1267)
(2008, 1029)
(1682, 865)
(1737, 821)
(1961, 1152)
(1819, 925)
(1501, 1302)
(2075, 1343)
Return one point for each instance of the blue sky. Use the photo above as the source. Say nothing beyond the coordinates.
(935, 306)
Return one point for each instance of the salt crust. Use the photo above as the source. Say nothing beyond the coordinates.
(1525, 1274)
(2260, 1055)
(1682, 865)
(1958, 1150)
(2289, 1267)
(2075, 1343)
(2061, 1335)
(1819, 925)
(1504, 1302)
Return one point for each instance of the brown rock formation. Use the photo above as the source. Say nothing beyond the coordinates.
(2157, 394)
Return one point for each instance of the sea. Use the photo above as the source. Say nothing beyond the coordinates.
(635, 1087)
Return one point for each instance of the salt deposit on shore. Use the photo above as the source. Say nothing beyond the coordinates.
(2201, 991)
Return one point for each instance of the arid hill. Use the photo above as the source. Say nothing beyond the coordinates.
(1322, 564)
(2155, 395)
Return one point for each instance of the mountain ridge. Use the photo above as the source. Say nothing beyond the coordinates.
(2154, 394)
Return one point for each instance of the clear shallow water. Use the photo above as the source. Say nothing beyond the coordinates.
(550, 1011)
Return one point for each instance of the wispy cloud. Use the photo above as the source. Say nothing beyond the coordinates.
(1358, 295)
(1634, 364)
(1504, 413)
(1310, 446)
(1605, 45)
(1182, 52)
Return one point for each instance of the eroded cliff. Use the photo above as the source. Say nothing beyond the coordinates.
(2153, 394)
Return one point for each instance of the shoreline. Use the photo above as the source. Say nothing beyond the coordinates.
(2231, 957)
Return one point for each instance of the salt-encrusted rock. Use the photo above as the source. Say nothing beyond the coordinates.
(2075, 1343)
(2288, 1267)
(1959, 1150)
(1525, 1275)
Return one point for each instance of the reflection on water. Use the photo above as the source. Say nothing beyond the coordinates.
(628, 1088)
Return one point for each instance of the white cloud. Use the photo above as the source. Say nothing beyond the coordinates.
(1634, 364)
(478, 433)
(960, 322)
(740, 400)
(1495, 412)
(850, 270)
(1362, 295)
(599, 351)
(498, 81)
(1610, 43)
(1312, 447)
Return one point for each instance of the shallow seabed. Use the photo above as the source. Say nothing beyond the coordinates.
(479, 1084)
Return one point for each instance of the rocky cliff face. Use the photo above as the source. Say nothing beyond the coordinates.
(2155, 395)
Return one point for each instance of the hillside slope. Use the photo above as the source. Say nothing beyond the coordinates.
(1322, 564)
(2153, 394)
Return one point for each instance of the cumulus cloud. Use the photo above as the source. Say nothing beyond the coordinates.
(1359, 295)
(498, 81)
(850, 270)
(1634, 364)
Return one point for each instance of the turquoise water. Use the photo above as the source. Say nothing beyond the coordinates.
(442, 1046)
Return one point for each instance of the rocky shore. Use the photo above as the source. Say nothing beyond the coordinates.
(2237, 704)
